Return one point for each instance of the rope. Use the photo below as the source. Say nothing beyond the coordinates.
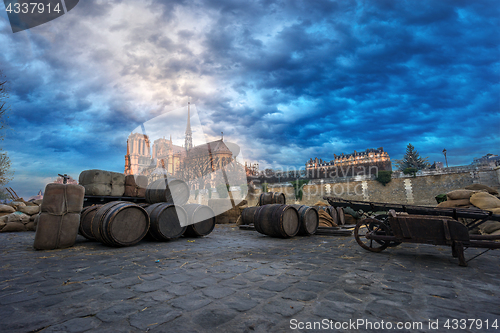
(65, 210)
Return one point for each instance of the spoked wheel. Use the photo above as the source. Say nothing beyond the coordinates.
(373, 227)
(385, 219)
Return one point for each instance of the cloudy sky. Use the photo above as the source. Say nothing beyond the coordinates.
(287, 80)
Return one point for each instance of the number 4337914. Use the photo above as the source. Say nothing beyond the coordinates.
(32, 8)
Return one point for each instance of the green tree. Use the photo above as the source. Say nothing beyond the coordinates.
(384, 177)
(412, 159)
(298, 185)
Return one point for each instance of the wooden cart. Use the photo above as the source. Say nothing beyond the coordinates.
(437, 226)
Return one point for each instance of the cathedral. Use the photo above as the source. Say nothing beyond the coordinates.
(166, 159)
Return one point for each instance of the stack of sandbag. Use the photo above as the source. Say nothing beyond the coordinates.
(102, 183)
(458, 199)
(59, 219)
(489, 202)
(18, 216)
(481, 187)
(135, 186)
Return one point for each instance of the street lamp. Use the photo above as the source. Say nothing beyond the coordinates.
(446, 160)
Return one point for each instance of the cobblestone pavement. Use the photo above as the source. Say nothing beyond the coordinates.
(240, 281)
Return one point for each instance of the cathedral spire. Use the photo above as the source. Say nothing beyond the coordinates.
(188, 142)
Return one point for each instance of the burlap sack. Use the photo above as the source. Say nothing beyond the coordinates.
(32, 217)
(455, 203)
(94, 176)
(130, 191)
(30, 226)
(117, 190)
(56, 232)
(30, 204)
(18, 217)
(485, 201)
(30, 210)
(7, 209)
(495, 211)
(459, 194)
(98, 189)
(477, 187)
(489, 227)
(141, 192)
(136, 180)
(38, 202)
(17, 204)
(495, 233)
(2, 224)
(4, 218)
(62, 198)
(14, 227)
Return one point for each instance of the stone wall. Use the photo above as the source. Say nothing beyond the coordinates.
(419, 190)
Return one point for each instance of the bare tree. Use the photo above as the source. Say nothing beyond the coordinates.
(5, 172)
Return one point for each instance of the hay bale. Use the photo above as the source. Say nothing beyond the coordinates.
(94, 176)
(30, 210)
(7, 209)
(477, 187)
(98, 189)
(485, 201)
(321, 203)
(460, 194)
(117, 178)
(463, 203)
(14, 227)
(117, 190)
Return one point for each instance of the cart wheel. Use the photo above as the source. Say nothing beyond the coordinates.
(385, 219)
(373, 227)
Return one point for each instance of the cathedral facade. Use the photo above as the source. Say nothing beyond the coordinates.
(164, 159)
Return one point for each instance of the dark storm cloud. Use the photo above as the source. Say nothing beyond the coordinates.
(287, 80)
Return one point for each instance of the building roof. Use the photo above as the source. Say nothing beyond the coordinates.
(214, 147)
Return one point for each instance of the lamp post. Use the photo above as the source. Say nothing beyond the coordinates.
(446, 160)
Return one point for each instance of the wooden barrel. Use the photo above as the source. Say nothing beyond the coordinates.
(143, 205)
(340, 215)
(86, 217)
(309, 220)
(120, 223)
(277, 221)
(248, 215)
(201, 220)
(166, 220)
(167, 190)
(272, 198)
